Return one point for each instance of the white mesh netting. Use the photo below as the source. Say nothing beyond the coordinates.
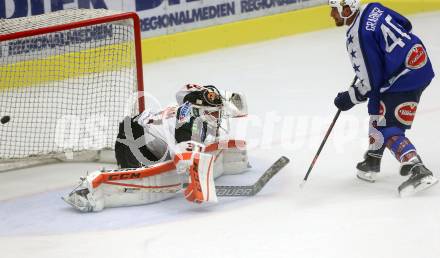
(65, 91)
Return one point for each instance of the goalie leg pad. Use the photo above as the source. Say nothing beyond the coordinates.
(138, 191)
(235, 161)
(130, 192)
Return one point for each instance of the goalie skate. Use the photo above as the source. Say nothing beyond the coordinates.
(78, 200)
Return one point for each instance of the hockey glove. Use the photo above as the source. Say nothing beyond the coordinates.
(343, 101)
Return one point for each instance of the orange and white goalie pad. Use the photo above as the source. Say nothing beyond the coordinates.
(125, 187)
(191, 171)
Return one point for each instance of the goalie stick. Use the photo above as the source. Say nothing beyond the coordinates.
(251, 190)
(236, 190)
(222, 190)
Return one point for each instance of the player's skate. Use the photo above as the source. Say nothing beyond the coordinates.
(369, 168)
(420, 177)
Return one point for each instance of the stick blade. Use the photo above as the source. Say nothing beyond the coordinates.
(251, 190)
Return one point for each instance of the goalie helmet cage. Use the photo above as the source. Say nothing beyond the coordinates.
(67, 79)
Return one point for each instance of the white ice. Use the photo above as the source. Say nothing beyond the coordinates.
(290, 84)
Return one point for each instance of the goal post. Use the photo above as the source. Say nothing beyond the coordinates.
(67, 79)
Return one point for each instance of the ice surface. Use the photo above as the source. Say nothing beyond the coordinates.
(290, 84)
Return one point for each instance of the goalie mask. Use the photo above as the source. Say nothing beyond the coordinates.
(339, 4)
(195, 94)
(212, 96)
(197, 123)
(207, 121)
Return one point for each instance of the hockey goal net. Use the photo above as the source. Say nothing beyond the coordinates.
(66, 80)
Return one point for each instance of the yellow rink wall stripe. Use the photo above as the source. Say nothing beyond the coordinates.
(71, 65)
(259, 29)
(55, 68)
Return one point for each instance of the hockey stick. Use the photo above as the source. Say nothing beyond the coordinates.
(237, 190)
(251, 190)
(324, 141)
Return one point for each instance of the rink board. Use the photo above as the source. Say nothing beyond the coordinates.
(258, 29)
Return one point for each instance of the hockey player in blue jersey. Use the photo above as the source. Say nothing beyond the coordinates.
(393, 69)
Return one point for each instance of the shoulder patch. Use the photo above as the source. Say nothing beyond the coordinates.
(416, 58)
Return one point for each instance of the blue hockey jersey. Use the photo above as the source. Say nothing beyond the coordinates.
(385, 55)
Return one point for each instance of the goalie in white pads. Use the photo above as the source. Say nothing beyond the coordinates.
(183, 147)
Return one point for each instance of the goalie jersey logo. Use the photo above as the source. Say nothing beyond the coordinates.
(185, 113)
